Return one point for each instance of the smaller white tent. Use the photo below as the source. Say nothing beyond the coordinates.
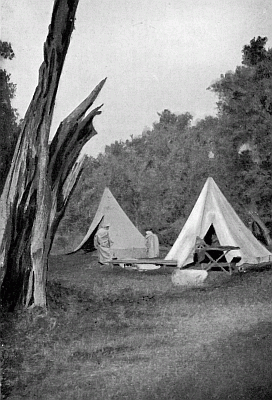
(128, 242)
(212, 208)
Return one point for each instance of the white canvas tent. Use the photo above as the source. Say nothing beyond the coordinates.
(212, 208)
(127, 240)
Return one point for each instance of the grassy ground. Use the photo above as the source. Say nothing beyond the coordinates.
(117, 334)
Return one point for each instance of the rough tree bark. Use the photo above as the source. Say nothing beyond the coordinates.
(42, 175)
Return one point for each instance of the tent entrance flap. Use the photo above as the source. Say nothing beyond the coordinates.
(88, 246)
(210, 237)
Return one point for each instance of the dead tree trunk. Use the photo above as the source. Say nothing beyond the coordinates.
(63, 168)
(42, 176)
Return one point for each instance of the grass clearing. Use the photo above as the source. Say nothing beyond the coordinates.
(117, 334)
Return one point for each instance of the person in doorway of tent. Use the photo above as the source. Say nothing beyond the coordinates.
(151, 244)
(103, 242)
(214, 241)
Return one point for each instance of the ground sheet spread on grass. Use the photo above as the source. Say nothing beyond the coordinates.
(111, 333)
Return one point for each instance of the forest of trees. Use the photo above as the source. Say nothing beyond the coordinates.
(157, 176)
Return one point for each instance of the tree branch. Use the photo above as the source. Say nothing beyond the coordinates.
(73, 132)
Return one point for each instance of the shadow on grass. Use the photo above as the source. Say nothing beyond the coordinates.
(11, 356)
(236, 368)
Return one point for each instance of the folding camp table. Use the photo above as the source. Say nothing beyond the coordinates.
(217, 261)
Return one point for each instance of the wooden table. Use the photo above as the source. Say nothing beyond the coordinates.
(226, 266)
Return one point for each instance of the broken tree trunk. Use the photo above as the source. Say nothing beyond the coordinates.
(65, 148)
(42, 176)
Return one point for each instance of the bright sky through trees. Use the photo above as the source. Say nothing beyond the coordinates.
(156, 54)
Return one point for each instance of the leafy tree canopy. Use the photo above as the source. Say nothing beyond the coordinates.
(158, 175)
(8, 116)
(245, 112)
(6, 50)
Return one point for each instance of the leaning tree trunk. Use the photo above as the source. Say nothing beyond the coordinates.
(42, 176)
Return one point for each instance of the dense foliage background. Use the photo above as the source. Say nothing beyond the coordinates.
(9, 125)
(157, 176)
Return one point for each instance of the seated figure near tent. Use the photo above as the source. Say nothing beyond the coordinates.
(209, 240)
(103, 242)
(152, 244)
(214, 241)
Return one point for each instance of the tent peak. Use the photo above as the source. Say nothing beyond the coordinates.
(210, 179)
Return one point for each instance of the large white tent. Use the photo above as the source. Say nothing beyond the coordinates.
(212, 208)
(127, 240)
